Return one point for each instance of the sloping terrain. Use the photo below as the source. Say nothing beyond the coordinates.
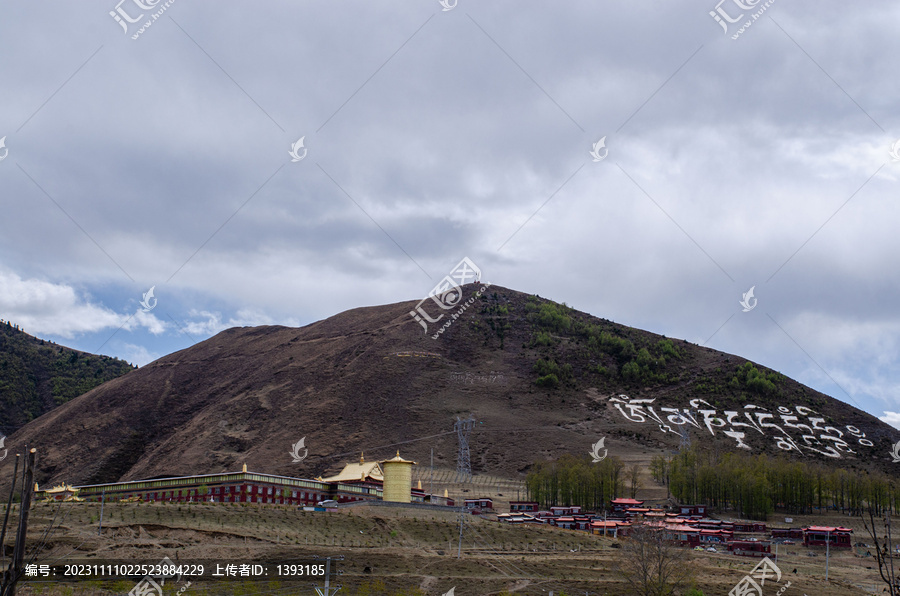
(392, 551)
(38, 375)
(540, 378)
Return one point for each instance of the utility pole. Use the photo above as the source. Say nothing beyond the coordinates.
(827, 552)
(102, 502)
(24, 508)
(328, 589)
(431, 481)
(12, 490)
(887, 522)
(462, 522)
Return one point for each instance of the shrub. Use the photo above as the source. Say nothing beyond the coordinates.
(546, 367)
(550, 316)
(550, 373)
(550, 381)
(668, 349)
(749, 377)
(631, 371)
(541, 338)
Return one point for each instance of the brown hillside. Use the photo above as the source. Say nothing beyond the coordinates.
(370, 378)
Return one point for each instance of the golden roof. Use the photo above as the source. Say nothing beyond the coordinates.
(62, 488)
(358, 472)
(398, 460)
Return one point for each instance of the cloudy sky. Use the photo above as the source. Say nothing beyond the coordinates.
(159, 156)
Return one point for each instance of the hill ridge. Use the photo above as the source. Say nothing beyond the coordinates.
(247, 394)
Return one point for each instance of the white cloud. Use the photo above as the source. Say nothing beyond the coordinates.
(747, 155)
(147, 320)
(892, 418)
(138, 355)
(209, 323)
(43, 308)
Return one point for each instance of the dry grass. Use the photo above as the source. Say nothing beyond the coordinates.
(406, 549)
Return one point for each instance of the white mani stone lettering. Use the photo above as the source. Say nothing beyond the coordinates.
(738, 436)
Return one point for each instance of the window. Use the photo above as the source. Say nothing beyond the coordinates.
(270, 492)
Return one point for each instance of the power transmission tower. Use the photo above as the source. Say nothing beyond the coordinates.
(463, 467)
(686, 435)
(463, 460)
(685, 439)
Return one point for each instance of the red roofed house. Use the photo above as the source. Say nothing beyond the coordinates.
(633, 512)
(517, 518)
(479, 504)
(583, 522)
(788, 533)
(560, 510)
(607, 527)
(718, 536)
(749, 527)
(693, 510)
(822, 535)
(683, 535)
(750, 548)
(567, 523)
(623, 504)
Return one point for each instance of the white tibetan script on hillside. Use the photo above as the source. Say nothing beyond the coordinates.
(476, 379)
(804, 431)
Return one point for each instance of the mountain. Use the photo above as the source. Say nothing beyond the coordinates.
(541, 379)
(37, 376)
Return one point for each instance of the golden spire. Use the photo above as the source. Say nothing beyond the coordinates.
(362, 460)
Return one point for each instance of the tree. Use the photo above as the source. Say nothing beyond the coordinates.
(659, 471)
(651, 564)
(884, 553)
(634, 479)
(575, 480)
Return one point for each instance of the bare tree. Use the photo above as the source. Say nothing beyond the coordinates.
(634, 479)
(884, 552)
(651, 563)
